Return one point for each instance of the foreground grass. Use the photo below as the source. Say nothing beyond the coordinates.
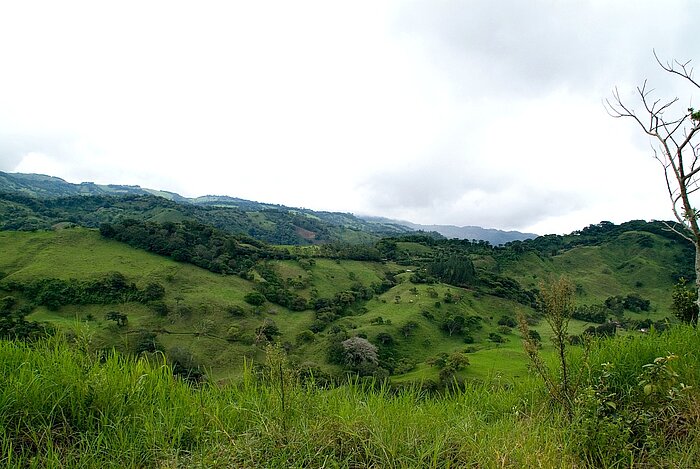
(61, 407)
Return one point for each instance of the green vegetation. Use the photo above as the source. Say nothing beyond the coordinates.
(214, 320)
(63, 407)
(175, 336)
(33, 209)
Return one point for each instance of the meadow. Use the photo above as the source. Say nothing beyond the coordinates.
(63, 406)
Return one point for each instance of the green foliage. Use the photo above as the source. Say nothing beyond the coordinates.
(556, 299)
(111, 288)
(408, 328)
(236, 311)
(497, 338)
(385, 339)
(448, 364)
(254, 298)
(615, 427)
(267, 331)
(120, 318)
(684, 304)
(195, 243)
(454, 270)
(185, 365)
(305, 336)
(58, 401)
(454, 324)
(508, 321)
(591, 313)
(146, 342)
(13, 322)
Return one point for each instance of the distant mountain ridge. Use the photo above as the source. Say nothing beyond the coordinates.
(43, 186)
(492, 235)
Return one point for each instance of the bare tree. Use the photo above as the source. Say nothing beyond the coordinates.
(675, 141)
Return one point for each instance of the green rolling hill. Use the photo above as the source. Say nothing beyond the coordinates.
(205, 319)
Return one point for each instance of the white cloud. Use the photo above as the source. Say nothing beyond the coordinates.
(436, 112)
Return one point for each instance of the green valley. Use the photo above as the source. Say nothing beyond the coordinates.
(178, 335)
(393, 301)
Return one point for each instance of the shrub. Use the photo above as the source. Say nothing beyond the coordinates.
(159, 308)
(497, 338)
(305, 337)
(505, 330)
(385, 339)
(254, 298)
(507, 321)
(236, 311)
(153, 291)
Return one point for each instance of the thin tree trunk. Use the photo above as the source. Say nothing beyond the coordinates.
(697, 280)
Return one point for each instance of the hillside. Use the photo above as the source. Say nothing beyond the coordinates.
(208, 321)
(269, 222)
(32, 201)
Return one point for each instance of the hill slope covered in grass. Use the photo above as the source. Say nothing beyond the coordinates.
(63, 407)
(209, 322)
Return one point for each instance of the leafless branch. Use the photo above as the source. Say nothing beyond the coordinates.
(670, 68)
(678, 232)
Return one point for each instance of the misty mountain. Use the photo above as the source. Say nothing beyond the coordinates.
(270, 222)
(492, 235)
(32, 201)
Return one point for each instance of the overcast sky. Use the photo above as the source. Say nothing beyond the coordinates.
(437, 112)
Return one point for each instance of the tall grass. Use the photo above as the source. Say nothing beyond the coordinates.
(60, 407)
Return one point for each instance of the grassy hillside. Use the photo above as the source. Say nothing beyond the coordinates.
(204, 316)
(634, 262)
(61, 407)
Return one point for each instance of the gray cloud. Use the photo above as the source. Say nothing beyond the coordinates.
(447, 192)
(516, 47)
(14, 146)
(439, 112)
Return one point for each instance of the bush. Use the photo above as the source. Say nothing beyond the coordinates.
(153, 291)
(385, 339)
(159, 308)
(497, 338)
(614, 426)
(507, 321)
(254, 298)
(505, 330)
(236, 311)
(305, 337)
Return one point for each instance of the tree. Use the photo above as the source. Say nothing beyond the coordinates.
(407, 329)
(267, 331)
(684, 304)
(359, 351)
(120, 318)
(453, 324)
(676, 146)
(385, 339)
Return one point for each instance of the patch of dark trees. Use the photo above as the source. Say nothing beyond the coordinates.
(194, 243)
(111, 288)
(14, 323)
(346, 302)
(612, 306)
